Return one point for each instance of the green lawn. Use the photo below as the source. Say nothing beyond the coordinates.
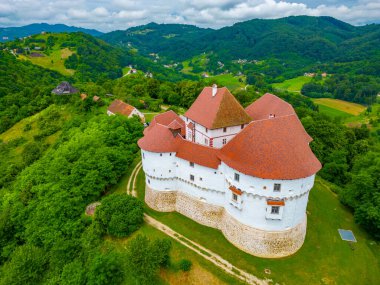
(292, 85)
(323, 259)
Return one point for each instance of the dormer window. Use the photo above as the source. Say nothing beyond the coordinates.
(277, 187)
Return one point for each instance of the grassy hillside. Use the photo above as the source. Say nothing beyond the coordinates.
(55, 60)
(323, 259)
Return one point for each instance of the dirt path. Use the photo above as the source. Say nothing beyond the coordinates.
(197, 248)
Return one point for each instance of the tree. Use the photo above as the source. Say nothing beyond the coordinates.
(120, 215)
(73, 273)
(104, 269)
(27, 266)
(146, 257)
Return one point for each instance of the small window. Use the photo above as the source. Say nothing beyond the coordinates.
(170, 154)
(277, 187)
(191, 177)
(224, 141)
(275, 210)
(170, 171)
(206, 141)
(160, 154)
(242, 126)
(206, 130)
(148, 181)
(224, 130)
(191, 164)
(143, 155)
(237, 177)
(234, 197)
(200, 179)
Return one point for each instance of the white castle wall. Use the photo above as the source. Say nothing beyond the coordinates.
(171, 189)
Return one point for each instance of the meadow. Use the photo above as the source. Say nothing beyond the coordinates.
(323, 259)
(292, 85)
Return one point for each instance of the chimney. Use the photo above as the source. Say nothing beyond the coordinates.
(214, 89)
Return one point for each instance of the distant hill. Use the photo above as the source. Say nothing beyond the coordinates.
(11, 33)
(296, 37)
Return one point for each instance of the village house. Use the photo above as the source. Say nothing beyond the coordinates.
(124, 109)
(64, 88)
(247, 172)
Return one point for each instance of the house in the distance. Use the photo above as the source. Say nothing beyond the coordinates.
(64, 88)
(124, 109)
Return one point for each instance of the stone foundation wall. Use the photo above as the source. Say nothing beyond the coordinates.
(268, 244)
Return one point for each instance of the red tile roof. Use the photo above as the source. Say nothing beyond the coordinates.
(168, 119)
(159, 138)
(235, 190)
(276, 202)
(272, 149)
(199, 154)
(267, 105)
(219, 111)
(119, 107)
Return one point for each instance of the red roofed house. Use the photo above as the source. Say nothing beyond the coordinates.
(124, 109)
(247, 172)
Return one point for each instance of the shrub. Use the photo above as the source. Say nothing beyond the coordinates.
(185, 264)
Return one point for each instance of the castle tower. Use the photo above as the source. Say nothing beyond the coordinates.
(254, 188)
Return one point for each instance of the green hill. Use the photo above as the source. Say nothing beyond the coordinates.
(302, 37)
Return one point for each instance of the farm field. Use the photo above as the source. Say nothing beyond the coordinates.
(329, 259)
(344, 106)
(55, 60)
(292, 85)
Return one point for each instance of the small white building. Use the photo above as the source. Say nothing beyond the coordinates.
(124, 109)
(246, 172)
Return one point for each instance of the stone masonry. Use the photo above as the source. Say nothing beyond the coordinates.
(268, 244)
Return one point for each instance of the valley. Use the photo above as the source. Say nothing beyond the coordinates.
(60, 153)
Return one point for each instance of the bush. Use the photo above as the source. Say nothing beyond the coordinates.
(120, 215)
(185, 264)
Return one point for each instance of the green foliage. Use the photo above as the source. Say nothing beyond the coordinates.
(73, 273)
(46, 202)
(363, 192)
(185, 265)
(119, 214)
(25, 89)
(358, 88)
(145, 258)
(27, 266)
(104, 269)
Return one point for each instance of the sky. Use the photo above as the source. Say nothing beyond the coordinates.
(112, 15)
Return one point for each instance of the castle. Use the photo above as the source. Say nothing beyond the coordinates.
(246, 172)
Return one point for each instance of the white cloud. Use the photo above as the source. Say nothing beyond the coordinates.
(120, 14)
